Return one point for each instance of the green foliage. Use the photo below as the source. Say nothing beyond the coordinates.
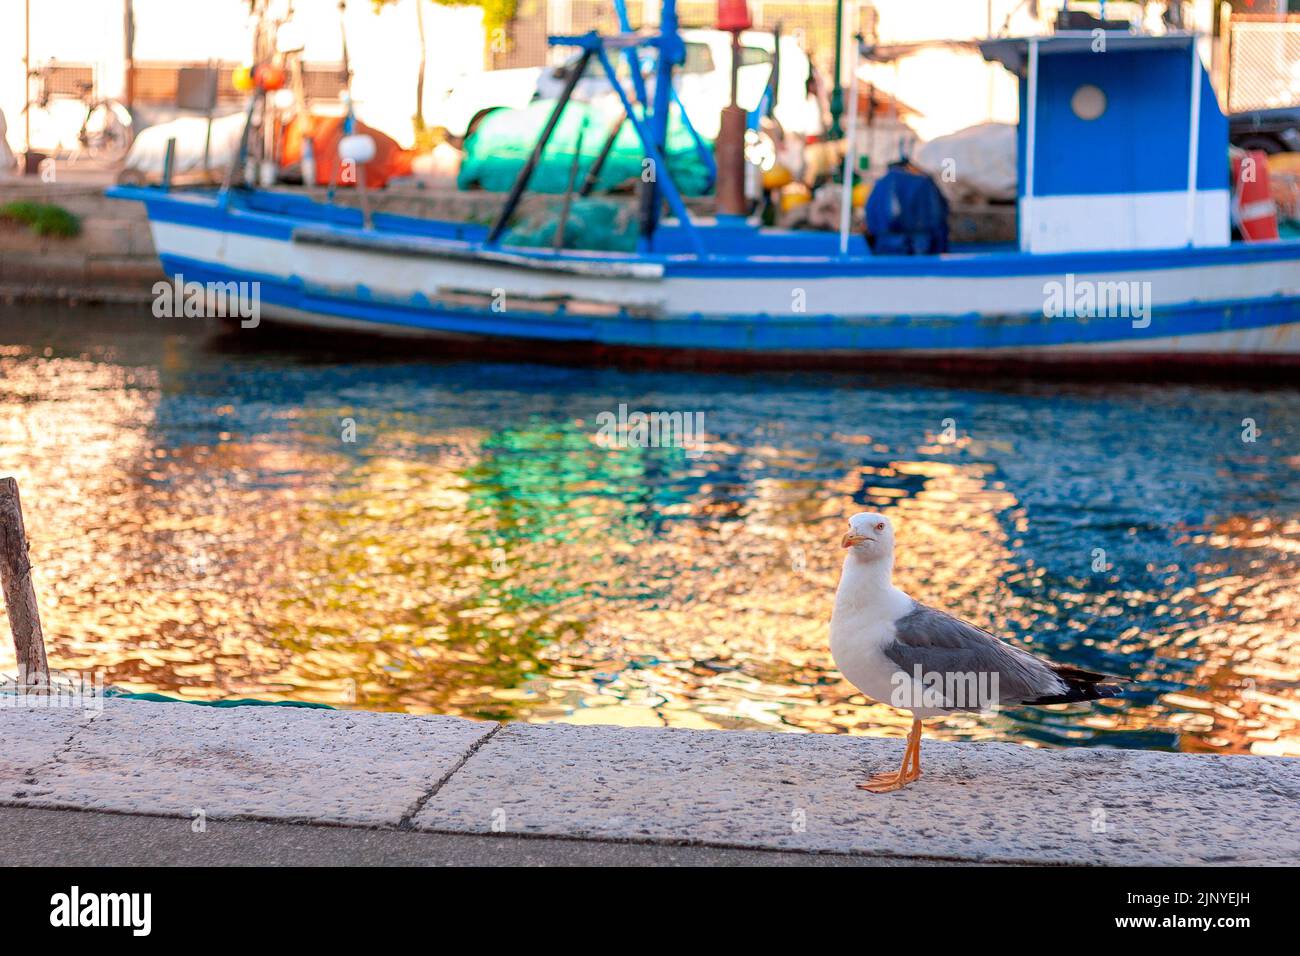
(56, 221)
(20, 212)
(42, 219)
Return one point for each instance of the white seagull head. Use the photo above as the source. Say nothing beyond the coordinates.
(870, 537)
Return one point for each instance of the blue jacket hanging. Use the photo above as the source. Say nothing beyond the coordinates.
(906, 214)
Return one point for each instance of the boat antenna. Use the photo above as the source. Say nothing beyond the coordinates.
(1033, 12)
(348, 116)
(347, 65)
(343, 32)
(256, 8)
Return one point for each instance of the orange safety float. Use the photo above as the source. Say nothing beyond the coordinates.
(1253, 209)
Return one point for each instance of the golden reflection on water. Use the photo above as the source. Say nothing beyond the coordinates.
(527, 573)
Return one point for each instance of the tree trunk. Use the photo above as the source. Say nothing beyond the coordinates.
(19, 594)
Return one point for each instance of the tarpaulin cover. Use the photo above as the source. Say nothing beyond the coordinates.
(190, 132)
(149, 149)
(325, 132)
(498, 148)
(230, 702)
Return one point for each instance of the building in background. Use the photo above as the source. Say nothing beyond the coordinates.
(950, 88)
(86, 41)
(1253, 47)
(812, 20)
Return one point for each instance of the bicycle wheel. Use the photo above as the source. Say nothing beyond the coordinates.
(104, 135)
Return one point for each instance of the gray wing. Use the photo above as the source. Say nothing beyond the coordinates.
(940, 643)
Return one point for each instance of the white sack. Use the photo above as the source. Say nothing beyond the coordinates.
(976, 163)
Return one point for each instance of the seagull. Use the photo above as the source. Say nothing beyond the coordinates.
(898, 651)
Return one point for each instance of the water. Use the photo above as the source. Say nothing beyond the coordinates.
(201, 528)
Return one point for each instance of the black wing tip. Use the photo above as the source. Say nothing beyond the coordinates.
(1082, 690)
(1072, 675)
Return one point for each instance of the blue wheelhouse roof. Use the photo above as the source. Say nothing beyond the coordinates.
(1013, 52)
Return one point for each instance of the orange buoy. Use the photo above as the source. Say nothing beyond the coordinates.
(1253, 209)
(269, 77)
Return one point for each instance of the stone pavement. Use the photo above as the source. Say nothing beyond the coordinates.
(976, 803)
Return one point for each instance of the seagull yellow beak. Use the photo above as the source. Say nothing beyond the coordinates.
(851, 538)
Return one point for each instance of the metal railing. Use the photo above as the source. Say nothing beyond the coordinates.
(1264, 69)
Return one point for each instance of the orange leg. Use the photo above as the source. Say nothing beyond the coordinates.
(909, 770)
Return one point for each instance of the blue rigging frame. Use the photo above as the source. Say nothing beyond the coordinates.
(651, 127)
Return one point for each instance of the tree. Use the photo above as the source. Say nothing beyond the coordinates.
(496, 14)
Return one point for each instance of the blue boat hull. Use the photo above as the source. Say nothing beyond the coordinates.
(755, 301)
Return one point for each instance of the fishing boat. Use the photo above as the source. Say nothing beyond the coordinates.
(1124, 251)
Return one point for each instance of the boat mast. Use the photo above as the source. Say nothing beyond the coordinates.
(850, 151)
(670, 50)
(521, 181)
(651, 128)
(1031, 146)
(1193, 142)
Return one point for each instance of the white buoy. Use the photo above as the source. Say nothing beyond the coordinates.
(359, 148)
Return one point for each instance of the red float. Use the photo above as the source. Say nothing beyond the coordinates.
(733, 16)
(1253, 209)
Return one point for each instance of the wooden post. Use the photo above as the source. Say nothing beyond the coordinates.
(169, 164)
(20, 595)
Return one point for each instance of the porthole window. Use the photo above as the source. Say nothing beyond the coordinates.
(1088, 102)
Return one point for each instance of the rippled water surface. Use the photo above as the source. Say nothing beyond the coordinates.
(201, 528)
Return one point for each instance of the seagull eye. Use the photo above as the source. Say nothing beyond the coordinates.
(880, 526)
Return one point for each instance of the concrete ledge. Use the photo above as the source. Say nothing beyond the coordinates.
(30, 741)
(272, 763)
(791, 792)
(975, 802)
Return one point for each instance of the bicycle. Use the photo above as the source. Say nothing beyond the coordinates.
(106, 131)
